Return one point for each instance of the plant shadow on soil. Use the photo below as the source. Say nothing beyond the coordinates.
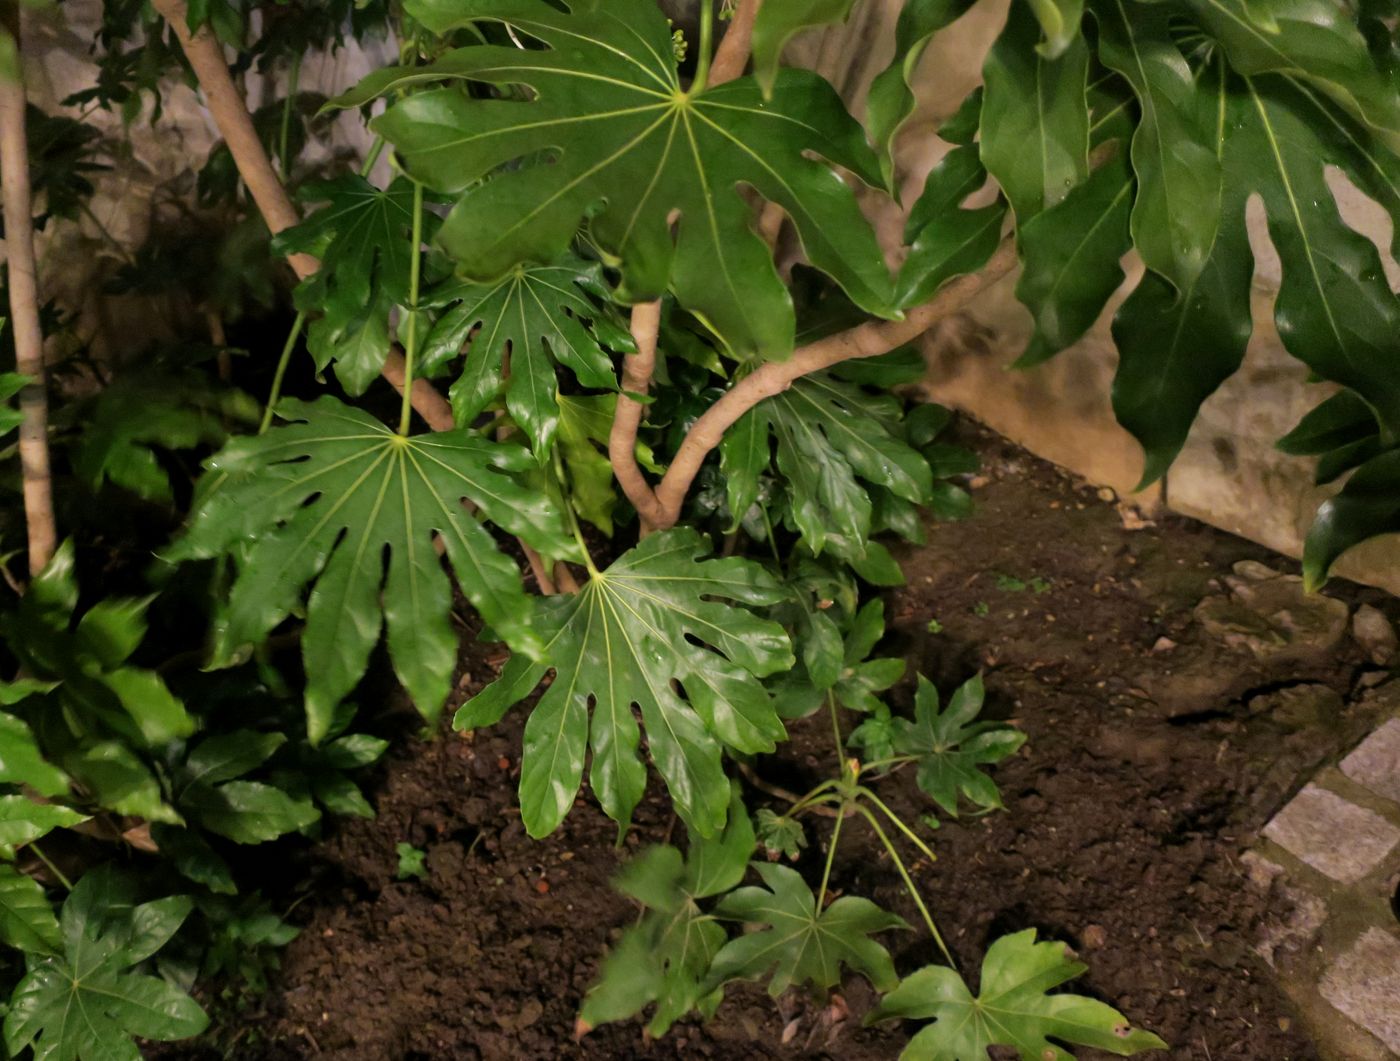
(1147, 774)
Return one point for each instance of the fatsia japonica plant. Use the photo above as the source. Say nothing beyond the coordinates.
(561, 251)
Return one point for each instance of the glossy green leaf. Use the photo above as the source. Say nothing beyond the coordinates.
(86, 1004)
(802, 944)
(652, 631)
(946, 240)
(322, 499)
(1367, 506)
(779, 835)
(538, 314)
(362, 237)
(778, 23)
(247, 812)
(22, 821)
(27, 921)
(607, 112)
(193, 858)
(1070, 260)
(1012, 1010)
(229, 755)
(665, 957)
(1035, 117)
(1315, 40)
(1175, 148)
(1341, 420)
(891, 98)
(949, 746)
(1175, 347)
(120, 781)
(21, 761)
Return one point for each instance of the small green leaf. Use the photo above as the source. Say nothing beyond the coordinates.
(247, 812)
(192, 856)
(27, 921)
(411, 861)
(120, 781)
(780, 835)
(540, 314)
(21, 761)
(802, 945)
(1367, 506)
(778, 23)
(949, 746)
(229, 755)
(1060, 20)
(22, 820)
(1012, 1010)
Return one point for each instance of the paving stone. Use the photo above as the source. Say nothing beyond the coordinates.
(1332, 834)
(1376, 761)
(1364, 983)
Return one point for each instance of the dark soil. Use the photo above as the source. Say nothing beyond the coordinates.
(1149, 768)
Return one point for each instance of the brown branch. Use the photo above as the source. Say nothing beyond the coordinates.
(235, 124)
(729, 62)
(868, 340)
(732, 55)
(24, 312)
(622, 438)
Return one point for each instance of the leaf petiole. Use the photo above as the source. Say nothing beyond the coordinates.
(276, 391)
(908, 883)
(414, 279)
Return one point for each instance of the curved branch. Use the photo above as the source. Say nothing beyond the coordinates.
(868, 340)
(622, 438)
(235, 124)
(24, 312)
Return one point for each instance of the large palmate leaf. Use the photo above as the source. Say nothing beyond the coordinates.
(86, 1003)
(321, 501)
(831, 439)
(948, 746)
(1174, 151)
(538, 315)
(646, 633)
(1013, 1009)
(801, 943)
(362, 239)
(608, 132)
(1035, 117)
(665, 957)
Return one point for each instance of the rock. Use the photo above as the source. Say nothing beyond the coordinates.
(1376, 761)
(1300, 706)
(1365, 982)
(1374, 633)
(1332, 835)
(1093, 937)
(1163, 644)
(1270, 616)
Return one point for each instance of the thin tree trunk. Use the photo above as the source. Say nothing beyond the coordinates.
(24, 311)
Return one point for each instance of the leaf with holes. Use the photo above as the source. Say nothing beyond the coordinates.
(322, 500)
(949, 746)
(665, 957)
(653, 631)
(362, 237)
(801, 943)
(541, 315)
(1012, 1010)
(609, 133)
